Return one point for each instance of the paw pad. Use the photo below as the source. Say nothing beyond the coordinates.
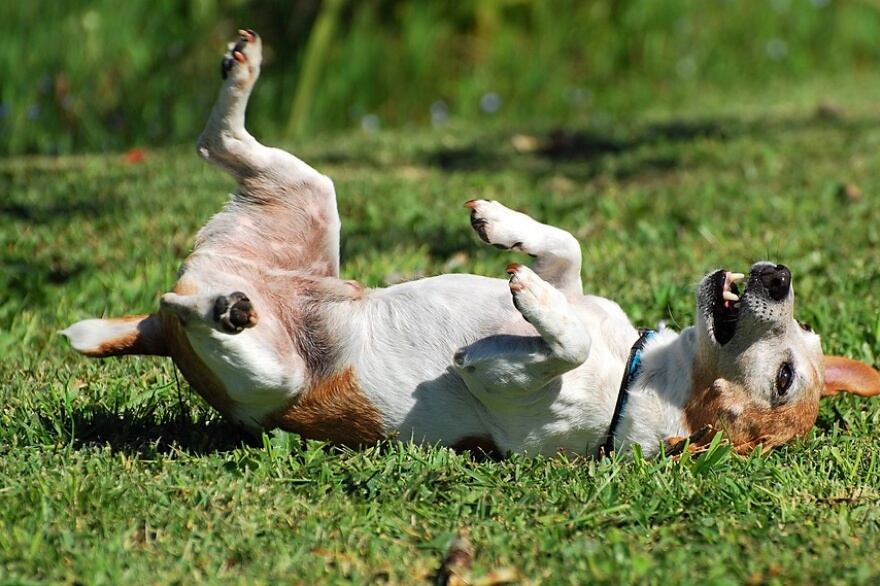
(479, 225)
(234, 312)
(492, 223)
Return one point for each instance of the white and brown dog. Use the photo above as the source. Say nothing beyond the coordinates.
(264, 329)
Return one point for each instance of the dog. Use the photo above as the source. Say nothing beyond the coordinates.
(261, 325)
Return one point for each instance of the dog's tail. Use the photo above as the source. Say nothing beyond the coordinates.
(132, 334)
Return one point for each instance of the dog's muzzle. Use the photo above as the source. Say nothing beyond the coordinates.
(767, 281)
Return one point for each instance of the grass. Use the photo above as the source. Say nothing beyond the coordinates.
(113, 471)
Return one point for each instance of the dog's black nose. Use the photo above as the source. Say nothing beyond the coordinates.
(777, 281)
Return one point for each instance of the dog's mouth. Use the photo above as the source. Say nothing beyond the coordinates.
(725, 304)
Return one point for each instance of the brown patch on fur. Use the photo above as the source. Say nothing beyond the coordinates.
(726, 406)
(335, 410)
(191, 366)
(480, 447)
(186, 286)
(144, 336)
(846, 374)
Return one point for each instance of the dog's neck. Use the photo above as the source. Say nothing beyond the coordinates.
(660, 392)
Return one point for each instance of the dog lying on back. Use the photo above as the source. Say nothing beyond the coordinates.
(261, 325)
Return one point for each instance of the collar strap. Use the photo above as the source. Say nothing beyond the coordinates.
(633, 366)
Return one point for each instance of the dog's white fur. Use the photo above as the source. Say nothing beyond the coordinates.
(449, 359)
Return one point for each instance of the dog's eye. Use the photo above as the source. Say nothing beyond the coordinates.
(784, 378)
(805, 326)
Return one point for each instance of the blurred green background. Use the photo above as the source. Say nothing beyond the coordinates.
(103, 75)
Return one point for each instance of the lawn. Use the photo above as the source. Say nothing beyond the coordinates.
(115, 472)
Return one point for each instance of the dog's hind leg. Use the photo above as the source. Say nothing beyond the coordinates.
(226, 142)
(557, 253)
(519, 364)
(241, 322)
(283, 214)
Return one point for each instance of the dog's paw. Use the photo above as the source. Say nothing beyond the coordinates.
(532, 295)
(234, 312)
(241, 63)
(498, 225)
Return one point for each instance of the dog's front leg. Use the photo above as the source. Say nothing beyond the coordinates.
(557, 253)
(502, 366)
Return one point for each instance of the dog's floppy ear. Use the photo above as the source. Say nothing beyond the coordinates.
(846, 374)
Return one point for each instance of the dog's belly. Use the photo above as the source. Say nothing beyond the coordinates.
(408, 334)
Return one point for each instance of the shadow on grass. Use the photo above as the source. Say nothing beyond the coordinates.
(563, 145)
(585, 145)
(144, 432)
(63, 202)
(60, 210)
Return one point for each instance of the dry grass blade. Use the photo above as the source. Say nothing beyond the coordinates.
(454, 571)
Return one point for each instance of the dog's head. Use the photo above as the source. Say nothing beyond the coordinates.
(758, 373)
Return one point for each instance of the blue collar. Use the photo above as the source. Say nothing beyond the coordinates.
(633, 366)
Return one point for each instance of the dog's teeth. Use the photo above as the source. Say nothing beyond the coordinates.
(736, 277)
(730, 296)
